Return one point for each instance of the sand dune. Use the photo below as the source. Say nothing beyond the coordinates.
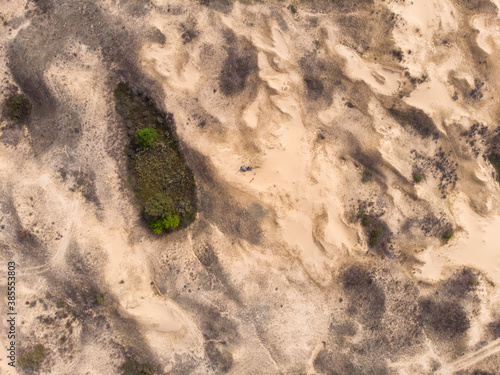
(363, 240)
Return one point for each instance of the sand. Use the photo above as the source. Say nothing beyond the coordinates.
(261, 280)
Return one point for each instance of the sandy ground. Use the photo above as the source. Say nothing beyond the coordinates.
(260, 283)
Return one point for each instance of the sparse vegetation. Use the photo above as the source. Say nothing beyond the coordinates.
(445, 318)
(417, 177)
(460, 284)
(147, 137)
(473, 281)
(60, 303)
(18, 107)
(163, 183)
(398, 54)
(366, 220)
(495, 162)
(416, 118)
(447, 235)
(356, 276)
(366, 300)
(237, 68)
(99, 298)
(367, 177)
(132, 368)
(374, 238)
(376, 230)
(32, 359)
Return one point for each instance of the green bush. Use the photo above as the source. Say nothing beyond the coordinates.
(32, 359)
(366, 220)
(447, 235)
(160, 213)
(60, 303)
(157, 165)
(147, 137)
(99, 298)
(159, 207)
(18, 107)
(417, 177)
(170, 222)
(374, 237)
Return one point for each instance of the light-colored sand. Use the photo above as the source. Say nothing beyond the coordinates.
(476, 246)
(382, 80)
(308, 186)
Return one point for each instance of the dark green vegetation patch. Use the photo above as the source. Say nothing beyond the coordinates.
(495, 161)
(147, 137)
(376, 230)
(32, 359)
(18, 107)
(132, 368)
(447, 235)
(164, 184)
(99, 298)
(418, 177)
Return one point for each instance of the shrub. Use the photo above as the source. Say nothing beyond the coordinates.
(367, 176)
(495, 161)
(99, 298)
(445, 318)
(122, 93)
(159, 207)
(157, 165)
(416, 118)
(147, 137)
(32, 359)
(171, 221)
(18, 107)
(447, 235)
(366, 220)
(374, 237)
(417, 177)
(132, 368)
(60, 303)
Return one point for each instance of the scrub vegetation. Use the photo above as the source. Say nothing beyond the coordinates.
(377, 232)
(495, 161)
(417, 177)
(163, 183)
(132, 368)
(18, 107)
(32, 359)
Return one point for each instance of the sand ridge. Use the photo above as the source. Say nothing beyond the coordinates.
(279, 273)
